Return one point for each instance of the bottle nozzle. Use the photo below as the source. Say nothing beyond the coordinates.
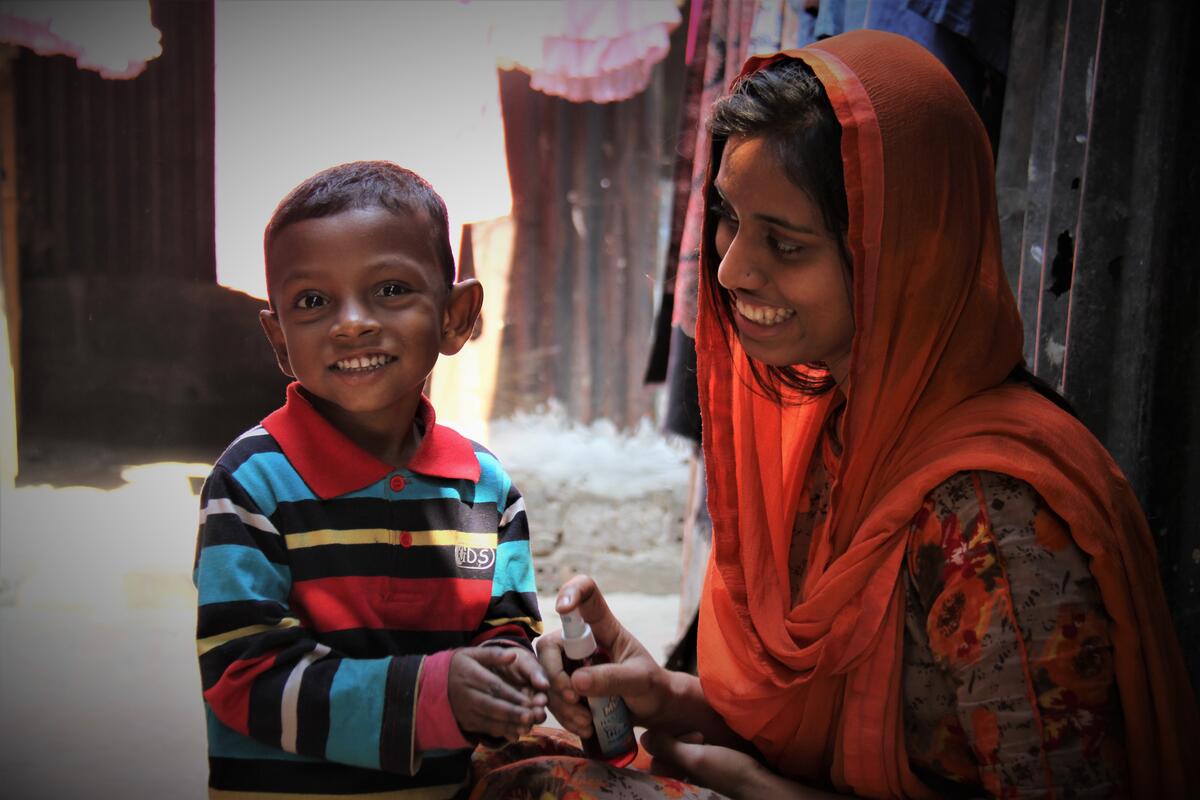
(573, 625)
(578, 641)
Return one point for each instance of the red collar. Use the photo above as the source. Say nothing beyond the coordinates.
(333, 465)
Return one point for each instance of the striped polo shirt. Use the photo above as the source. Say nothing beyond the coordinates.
(324, 577)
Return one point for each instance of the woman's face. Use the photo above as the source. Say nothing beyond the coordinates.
(781, 265)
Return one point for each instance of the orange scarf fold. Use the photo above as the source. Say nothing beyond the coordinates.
(817, 686)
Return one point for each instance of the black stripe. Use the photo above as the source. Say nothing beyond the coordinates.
(374, 643)
(327, 777)
(216, 618)
(353, 560)
(264, 722)
(517, 530)
(228, 529)
(221, 485)
(395, 738)
(214, 663)
(312, 708)
(239, 453)
(351, 513)
(514, 604)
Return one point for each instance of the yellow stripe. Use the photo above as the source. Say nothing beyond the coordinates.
(536, 627)
(423, 793)
(295, 541)
(204, 645)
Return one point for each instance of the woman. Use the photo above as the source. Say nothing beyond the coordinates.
(928, 579)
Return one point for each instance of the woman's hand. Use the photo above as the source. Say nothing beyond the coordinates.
(633, 674)
(730, 772)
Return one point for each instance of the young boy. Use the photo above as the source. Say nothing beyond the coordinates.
(366, 594)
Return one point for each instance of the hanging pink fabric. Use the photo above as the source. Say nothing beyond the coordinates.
(115, 39)
(597, 51)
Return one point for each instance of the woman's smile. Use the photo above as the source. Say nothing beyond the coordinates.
(763, 315)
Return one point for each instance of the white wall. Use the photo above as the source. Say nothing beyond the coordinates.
(301, 86)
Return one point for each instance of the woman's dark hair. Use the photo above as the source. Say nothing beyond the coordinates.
(366, 184)
(1022, 374)
(786, 107)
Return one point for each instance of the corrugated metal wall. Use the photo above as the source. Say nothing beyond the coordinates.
(117, 175)
(128, 344)
(586, 205)
(1098, 188)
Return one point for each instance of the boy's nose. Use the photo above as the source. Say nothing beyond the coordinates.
(355, 320)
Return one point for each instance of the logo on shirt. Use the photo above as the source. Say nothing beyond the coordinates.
(473, 557)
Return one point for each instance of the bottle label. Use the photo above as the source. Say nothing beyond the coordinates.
(610, 718)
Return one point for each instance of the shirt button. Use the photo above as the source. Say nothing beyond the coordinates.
(406, 539)
(397, 483)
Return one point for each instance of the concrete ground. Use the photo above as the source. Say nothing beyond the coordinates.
(99, 689)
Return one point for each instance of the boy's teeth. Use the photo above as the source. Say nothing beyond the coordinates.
(359, 362)
(764, 315)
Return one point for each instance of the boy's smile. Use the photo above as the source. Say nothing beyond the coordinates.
(360, 311)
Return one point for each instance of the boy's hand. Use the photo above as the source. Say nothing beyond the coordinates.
(524, 672)
(497, 691)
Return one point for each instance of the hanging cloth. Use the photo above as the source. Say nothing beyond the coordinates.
(113, 38)
(586, 51)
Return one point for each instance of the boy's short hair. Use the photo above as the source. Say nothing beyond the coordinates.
(366, 184)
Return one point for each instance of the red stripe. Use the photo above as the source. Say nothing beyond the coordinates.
(502, 630)
(380, 602)
(230, 696)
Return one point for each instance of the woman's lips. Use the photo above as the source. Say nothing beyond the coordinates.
(767, 316)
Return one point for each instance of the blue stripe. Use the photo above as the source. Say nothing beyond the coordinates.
(225, 742)
(514, 569)
(356, 711)
(232, 572)
(270, 479)
(493, 476)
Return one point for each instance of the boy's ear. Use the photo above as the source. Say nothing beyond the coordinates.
(458, 319)
(270, 325)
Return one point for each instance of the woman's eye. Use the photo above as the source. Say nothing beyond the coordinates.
(723, 212)
(783, 248)
(310, 300)
(393, 290)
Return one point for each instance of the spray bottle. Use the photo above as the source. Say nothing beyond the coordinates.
(612, 739)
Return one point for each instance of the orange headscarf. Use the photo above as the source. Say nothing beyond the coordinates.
(817, 686)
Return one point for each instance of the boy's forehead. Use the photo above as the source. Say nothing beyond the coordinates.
(350, 235)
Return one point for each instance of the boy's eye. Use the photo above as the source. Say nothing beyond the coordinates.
(393, 290)
(310, 300)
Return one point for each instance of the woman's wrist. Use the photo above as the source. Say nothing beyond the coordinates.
(683, 703)
(687, 710)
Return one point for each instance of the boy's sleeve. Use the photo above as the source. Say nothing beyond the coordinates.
(512, 615)
(262, 672)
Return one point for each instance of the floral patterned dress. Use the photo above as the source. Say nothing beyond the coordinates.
(1008, 675)
(1008, 670)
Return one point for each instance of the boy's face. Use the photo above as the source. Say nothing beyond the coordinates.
(361, 310)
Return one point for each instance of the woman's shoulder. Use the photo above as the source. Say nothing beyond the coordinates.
(982, 522)
(1001, 498)
(974, 498)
